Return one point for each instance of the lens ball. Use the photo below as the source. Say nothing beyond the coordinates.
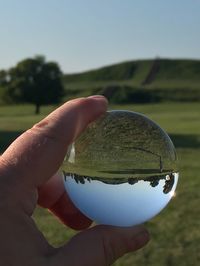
(122, 170)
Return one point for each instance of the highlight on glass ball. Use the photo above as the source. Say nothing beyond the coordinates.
(122, 170)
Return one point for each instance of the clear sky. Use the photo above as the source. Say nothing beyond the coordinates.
(86, 34)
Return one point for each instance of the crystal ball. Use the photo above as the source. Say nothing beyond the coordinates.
(122, 170)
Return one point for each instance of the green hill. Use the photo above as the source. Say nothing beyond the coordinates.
(135, 70)
(141, 80)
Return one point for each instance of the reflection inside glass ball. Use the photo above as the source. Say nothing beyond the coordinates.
(122, 170)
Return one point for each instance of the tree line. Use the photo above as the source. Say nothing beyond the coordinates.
(32, 80)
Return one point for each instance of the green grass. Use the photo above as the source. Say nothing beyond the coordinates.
(175, 232)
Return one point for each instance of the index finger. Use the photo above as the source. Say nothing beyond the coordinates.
(37, 154)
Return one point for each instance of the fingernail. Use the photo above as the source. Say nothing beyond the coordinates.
(97, 97)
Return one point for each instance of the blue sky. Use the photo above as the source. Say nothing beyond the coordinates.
(86, 34)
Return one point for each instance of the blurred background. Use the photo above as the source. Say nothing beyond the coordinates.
(143, 56)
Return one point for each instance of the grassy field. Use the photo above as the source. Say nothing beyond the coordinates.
(175, 232)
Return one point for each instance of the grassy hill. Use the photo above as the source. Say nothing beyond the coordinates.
(140, 81)
(134, 70)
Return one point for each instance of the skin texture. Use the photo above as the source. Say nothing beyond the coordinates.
(28, 176)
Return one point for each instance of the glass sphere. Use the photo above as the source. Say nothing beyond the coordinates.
(122, 170)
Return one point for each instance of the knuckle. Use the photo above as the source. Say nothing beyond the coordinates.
(45, 135)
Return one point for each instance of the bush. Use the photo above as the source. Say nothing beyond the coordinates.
(126, 94)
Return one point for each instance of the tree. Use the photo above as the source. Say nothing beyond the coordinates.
(3, 78)
(36, 81)
(3, 83)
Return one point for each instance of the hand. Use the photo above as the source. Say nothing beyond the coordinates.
(25, 171)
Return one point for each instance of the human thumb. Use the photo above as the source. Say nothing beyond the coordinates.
(101, 246)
